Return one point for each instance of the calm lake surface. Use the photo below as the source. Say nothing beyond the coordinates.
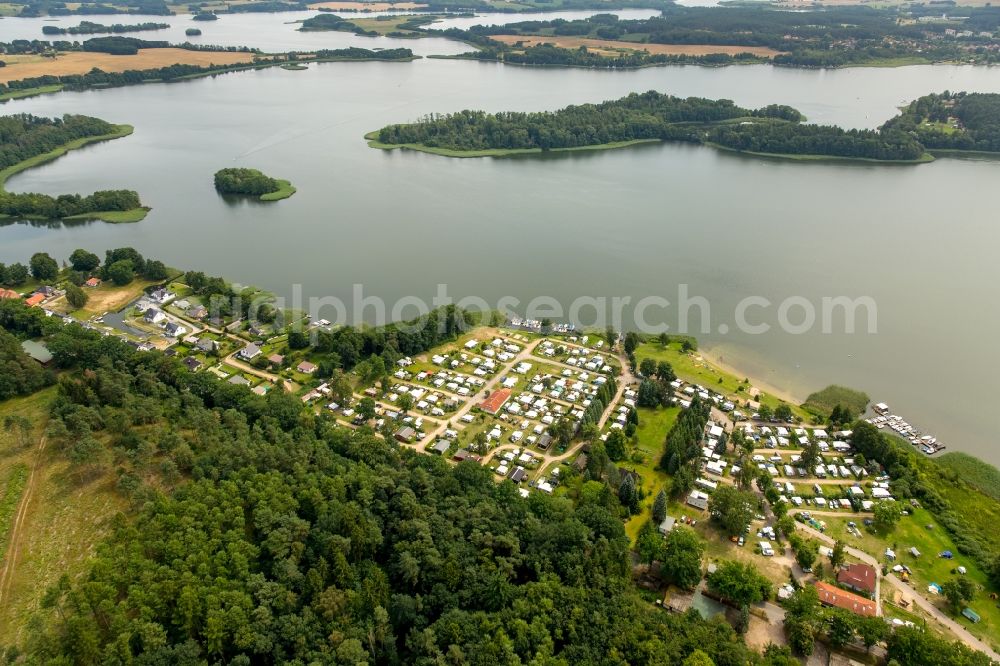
(920, 240)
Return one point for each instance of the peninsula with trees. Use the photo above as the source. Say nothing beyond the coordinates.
(774, 130)
(252, 183)
(29, 141)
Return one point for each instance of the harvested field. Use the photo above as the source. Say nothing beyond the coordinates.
(608, 46)
(81, 62)
(366, 6)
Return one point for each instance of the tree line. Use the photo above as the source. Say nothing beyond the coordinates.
(646, 116)
(91, 28)
(826, 140)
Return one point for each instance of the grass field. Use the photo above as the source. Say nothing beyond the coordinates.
(386, 24)
(30, 92)
(64, 521)
(649, 436)
(609, 47)
(285, 190)
(106, 298)
(114, 216)
(80, 62)
(11, 490)
(821, 403)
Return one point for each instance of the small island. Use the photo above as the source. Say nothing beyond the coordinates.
(251, 182)
(192, 32)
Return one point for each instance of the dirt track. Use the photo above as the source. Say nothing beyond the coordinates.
(14, 547)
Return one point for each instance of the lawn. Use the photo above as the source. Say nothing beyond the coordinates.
(285, 190)
(114, 216)
(649, 435)
(692, 368)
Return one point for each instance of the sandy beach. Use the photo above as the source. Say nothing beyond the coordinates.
(719, 359)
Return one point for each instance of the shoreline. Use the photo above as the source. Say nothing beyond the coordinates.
(713, 357)
(373, 142)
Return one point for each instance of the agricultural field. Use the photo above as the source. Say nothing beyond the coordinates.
(609, 47)
(80, 62)
(367, 6)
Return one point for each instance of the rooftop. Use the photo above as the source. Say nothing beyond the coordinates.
(496, 400)
(834, 596)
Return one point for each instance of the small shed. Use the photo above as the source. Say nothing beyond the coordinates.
(667, 525)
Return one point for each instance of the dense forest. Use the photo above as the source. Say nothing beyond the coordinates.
(244, 181)
(959, 121)
(825, 140)
(653, 116)
(91, 28)
(23, 136)
(298, 540)
(827, 37)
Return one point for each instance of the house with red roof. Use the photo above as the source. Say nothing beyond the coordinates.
(34, 299)
(858, 577)
(495, 402)
(830, 595)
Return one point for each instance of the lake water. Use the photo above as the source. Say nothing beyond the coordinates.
(919, 240)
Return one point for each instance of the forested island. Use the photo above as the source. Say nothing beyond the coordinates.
(820, 37)
(651, 116)
(27, 141)
(332, 22)
(90, 28)
(251, 182)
